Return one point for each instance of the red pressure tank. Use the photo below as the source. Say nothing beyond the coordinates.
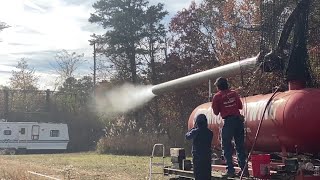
(291, 122)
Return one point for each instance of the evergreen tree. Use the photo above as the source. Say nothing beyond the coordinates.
(128, 23)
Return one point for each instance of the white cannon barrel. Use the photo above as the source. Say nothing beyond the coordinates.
(228, 70)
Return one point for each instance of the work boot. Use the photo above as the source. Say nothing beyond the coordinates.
(228, 175)
(245, 173)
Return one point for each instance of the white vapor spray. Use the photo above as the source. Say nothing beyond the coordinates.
(124, 98)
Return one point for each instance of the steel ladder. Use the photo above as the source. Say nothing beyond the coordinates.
(159, 164)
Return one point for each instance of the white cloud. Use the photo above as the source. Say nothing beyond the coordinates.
(7, 69)
(58, 26)
(46, 80)
(5, 72)
(39, 26)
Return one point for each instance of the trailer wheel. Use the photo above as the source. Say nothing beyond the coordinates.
(2, 151)
(12, 151)
(22, 151)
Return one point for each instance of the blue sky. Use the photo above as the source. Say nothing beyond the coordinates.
(40, 28)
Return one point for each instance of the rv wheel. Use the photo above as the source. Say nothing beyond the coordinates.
(2, 151)
(12, 151)
(21, 151)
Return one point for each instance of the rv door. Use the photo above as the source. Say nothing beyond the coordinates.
(35, 132)
(22, 139)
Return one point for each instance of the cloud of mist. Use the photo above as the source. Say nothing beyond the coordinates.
(124, 98)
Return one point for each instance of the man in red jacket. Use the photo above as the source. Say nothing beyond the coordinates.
(227, 103)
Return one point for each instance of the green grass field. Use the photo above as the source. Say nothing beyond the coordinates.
(76, 166)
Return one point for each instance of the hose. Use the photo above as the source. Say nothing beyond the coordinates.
(244, 98)
(258, 131)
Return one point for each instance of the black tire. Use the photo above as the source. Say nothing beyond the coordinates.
(12, 151)
(3, 152)
(22, 151)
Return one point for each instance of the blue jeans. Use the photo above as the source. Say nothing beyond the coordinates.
(233, 128)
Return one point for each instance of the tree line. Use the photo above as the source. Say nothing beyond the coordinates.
(141, 49)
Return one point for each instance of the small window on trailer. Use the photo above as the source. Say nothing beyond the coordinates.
(22, 131)
(54, 133)
(7, 132)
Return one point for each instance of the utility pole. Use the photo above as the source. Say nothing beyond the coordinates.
(94, 63)
(93, 42)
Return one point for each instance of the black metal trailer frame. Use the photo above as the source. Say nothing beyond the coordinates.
(183, 174)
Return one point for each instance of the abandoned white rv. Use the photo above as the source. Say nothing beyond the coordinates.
(28, 136)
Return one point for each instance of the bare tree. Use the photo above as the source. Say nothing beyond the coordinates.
(25, 81)
(67, 63)
(24, 77)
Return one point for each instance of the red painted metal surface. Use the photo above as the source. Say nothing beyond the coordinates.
(292, 121)
(306, 177)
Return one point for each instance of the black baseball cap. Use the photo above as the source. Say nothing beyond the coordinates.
(221, 80)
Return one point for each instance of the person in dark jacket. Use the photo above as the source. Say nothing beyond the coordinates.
(201, 148)
(227, 103)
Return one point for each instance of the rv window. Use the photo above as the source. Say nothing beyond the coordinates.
(7, 132)
(54, 133)
(23, 131)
